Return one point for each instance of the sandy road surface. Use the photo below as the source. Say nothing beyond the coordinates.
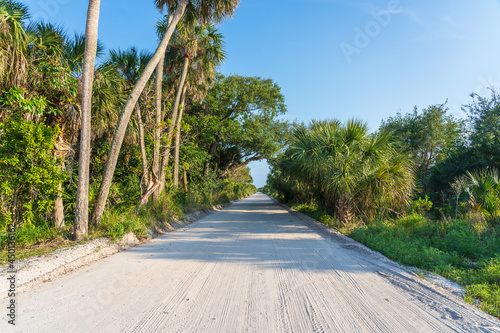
(253, 267)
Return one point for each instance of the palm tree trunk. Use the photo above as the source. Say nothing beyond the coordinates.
(158, 118)
(142, 147)
(170, 130)
(82, 194)
(185, 180)
(158, 115)
(121, 127)
(59, 209)
(178, 139)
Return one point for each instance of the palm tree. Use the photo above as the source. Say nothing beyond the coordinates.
(483, 190)
(13, 62)
(82, 194)
(355, 172)
(204, 10)
(199, 47)
(206, 54)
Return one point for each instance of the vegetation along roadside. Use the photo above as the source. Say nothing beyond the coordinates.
(423, 190)
(186, 146)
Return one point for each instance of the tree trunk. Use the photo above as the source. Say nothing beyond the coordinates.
(170, 130)
(121, 127)
(82, 194)
(211, 152)
(237, 167)
(158, 115)
(142, 147)
(185, 180)
(158, 119)
(178, 139)
(59, 209)
(344, 211)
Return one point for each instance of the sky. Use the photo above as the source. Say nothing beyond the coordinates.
(333, 59)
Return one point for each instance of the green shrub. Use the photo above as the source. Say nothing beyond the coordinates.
(488, 294)
(420, 206)
(307, 208)
(29, 173)
(29, 235)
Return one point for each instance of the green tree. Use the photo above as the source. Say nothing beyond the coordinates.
(30, 177)
(238, 122)
(479, 148)
(484, 117)
(200, 48)
(204, 10)
(429, 136)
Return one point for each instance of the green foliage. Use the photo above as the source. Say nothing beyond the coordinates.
(237, 122)
(483, 191)
(488, 294)
(420, 206)
(29, 235)
(429, 136)
(118, 222)
(306, 209)
(30, 174)
(347, 169)
(484, 117)
(14, 98)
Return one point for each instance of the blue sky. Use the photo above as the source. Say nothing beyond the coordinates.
(334, 58)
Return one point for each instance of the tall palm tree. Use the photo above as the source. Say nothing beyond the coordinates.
(161, 28)
(82, 194)
(204, 10)
(202, 51)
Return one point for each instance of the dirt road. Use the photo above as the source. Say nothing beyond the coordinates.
(253, 267)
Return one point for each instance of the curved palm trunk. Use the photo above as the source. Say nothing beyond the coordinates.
(142, 147)
(121, 127)
(178, 139)
(170, 131)
(82, 194)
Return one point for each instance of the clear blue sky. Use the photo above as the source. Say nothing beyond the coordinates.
(334, 58)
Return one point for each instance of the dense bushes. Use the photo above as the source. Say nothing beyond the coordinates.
(30, 173)
(346, 169)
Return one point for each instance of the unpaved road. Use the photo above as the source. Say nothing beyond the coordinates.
(253, 267)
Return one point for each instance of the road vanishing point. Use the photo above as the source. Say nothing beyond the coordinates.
(252, 267)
